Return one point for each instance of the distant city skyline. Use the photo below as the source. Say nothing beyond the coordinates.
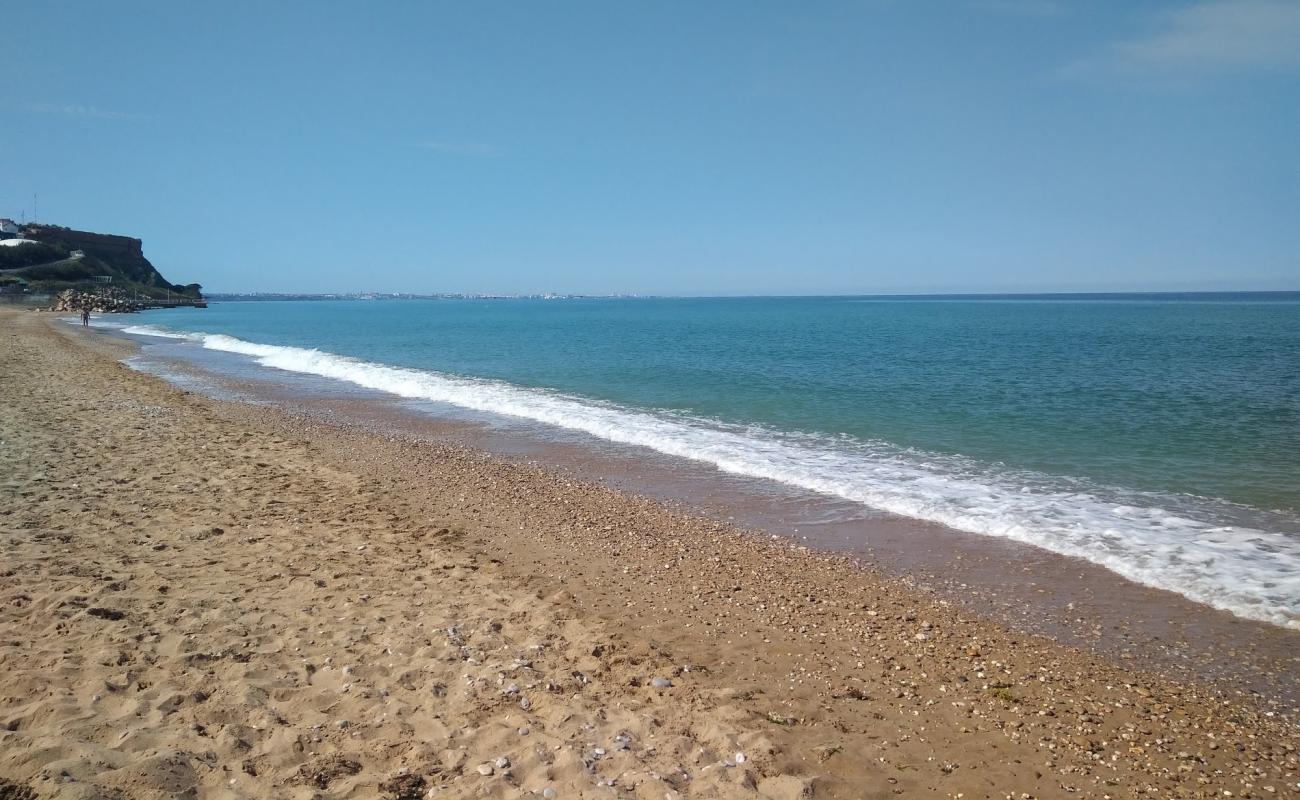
(988, 146)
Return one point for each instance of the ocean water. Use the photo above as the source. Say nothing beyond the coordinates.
(1156, 436)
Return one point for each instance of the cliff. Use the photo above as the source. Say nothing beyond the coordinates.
(121, 257)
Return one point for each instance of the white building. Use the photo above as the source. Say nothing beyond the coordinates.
(8, 228)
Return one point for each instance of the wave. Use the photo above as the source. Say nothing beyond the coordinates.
(149, 330)
(1171, 542)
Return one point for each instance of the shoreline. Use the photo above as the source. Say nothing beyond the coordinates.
(1226, 553)
(1021, 586)
(832, 679)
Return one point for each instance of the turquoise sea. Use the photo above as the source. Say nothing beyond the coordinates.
(1158, 436)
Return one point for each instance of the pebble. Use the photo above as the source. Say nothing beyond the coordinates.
(660, 683)
(548, 793)
(503, 763)
(486, 769)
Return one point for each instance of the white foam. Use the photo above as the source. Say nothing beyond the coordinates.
(1161, 541)
(160, 333)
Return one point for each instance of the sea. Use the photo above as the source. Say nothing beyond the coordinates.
(1157, 436)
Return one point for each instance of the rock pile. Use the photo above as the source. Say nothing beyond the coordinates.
(109, 300)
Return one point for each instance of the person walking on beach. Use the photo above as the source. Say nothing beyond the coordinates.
(85, 317)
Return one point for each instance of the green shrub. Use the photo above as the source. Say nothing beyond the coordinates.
(28, 254)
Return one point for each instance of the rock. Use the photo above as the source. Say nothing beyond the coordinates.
(106, 300)
(485, 769)
(660, 683)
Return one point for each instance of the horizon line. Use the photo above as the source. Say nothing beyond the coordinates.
(654, 296)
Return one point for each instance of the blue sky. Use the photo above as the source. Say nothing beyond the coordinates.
(670, 148)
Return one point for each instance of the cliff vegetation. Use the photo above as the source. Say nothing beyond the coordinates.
(64, 258)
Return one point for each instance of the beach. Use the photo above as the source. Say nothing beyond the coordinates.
(204, 598)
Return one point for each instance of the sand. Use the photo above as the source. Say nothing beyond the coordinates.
(204, 599)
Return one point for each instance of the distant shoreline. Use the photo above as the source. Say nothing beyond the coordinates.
(1264, 295)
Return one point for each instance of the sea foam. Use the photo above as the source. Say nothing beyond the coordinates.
(1170, 542)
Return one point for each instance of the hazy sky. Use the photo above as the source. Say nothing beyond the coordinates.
(673, 148)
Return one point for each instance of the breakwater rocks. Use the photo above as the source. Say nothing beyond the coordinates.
(108, 300)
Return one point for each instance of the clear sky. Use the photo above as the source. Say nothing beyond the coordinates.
(666, 147)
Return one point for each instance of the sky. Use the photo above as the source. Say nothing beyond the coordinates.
(678, 148)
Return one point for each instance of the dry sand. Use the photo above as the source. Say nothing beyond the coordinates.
(201, 599)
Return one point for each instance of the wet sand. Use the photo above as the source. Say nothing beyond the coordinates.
(210, 599)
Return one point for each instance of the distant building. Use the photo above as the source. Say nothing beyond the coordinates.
(8, 228)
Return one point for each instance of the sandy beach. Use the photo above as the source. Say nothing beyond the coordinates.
(208, 599)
